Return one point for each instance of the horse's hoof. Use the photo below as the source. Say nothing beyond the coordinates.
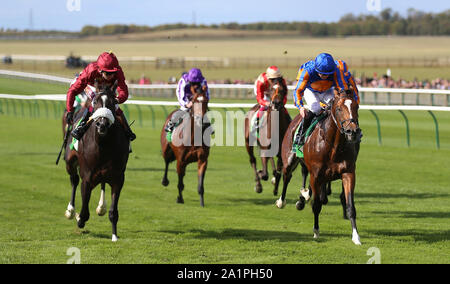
(355, 238)
(275, 192)
(258, 188)
(305, 193)
(180, 200)
(273, 180)
(262, 176)
(114, 238)
(316, 233)
(280, 203)
(300, 204)
(70, 212)
(325, 201)
(80, 223)
(165, 182)
(101, 210)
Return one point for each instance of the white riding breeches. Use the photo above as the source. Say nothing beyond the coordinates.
(312, 99)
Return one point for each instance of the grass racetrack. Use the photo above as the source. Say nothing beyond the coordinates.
(402, 200)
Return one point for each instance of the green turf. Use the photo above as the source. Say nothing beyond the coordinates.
(25, 87)
(402, 200)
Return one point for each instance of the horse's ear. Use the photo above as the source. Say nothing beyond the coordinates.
(336, 93)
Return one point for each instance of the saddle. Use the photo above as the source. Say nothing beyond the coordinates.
(312, 126)
(169, 135)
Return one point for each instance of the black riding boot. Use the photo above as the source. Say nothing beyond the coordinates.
(78, 132)
(304, 125)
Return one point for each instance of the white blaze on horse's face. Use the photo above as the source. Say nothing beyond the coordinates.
(348, 103)
(104, 97)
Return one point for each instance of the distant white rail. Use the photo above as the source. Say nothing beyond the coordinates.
(370, 96)
(62, 97)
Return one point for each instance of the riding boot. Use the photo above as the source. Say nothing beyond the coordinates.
(123, 121)
(304, 125)
(82, 127)
(174, 120)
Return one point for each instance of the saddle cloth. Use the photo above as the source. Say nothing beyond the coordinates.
(298, 148)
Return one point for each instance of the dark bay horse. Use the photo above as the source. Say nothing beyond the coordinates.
(330, 153)
(101, 158)
(190, 143)
(272, 147)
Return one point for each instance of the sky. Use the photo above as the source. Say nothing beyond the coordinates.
(72, 15)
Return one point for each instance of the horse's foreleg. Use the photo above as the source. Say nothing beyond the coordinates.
(202, 165)
(116, 188)
(181, 170)
(74, 180)
(263, 173)
(165, 180)
(287, 175)
(348, 182)
(316, 203)
(343, 202)
(101, 208)
(83, 217)
(258, 186)
(277, 175)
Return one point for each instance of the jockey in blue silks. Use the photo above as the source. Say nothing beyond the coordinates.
(317, 80)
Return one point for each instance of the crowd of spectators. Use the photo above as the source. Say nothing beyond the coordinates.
(384, 81)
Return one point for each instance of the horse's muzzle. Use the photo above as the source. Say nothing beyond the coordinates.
(102, 126)
(353, 135)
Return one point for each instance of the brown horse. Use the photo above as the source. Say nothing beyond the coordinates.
(272, 147)
(187, 145)
(330, 153)
(101, 158)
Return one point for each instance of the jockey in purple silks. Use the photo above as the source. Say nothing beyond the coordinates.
(184, 95)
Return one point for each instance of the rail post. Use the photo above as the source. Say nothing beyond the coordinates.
(407, 127)
(436, 128)
(378, 126)
(153, 116)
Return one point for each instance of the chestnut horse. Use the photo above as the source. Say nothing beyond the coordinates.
(330, 153)
(101, 158)
(185, 147)
(278, 92)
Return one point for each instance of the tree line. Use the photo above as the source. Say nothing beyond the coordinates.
(387, 22)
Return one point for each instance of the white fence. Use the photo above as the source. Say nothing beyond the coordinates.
(369, 96)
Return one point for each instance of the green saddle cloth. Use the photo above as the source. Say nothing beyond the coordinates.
(74, 144)
(298, 148)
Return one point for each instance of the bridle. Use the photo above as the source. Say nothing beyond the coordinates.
(276, 86)
(340, 123)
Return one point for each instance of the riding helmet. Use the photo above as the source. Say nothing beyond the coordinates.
(324, 64)
(108, 62)
(195, 76)
(273, 72)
